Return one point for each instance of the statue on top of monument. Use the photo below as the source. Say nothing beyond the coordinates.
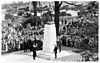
(50, 15)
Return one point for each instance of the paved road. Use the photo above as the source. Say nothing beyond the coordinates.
(21, 57)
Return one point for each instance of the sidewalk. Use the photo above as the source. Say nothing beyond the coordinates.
(26, 57)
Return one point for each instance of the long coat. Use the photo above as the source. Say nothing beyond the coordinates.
(34, 52)
(55, 49)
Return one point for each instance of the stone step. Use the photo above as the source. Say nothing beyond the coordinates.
(48, 56)
(51, 56)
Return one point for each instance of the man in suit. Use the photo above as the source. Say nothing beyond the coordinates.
(25, 46)
(55, 51)
(59, 44)
(30, 44)
(34, 52)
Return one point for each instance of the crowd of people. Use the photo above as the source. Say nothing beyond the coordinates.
(15, 37)
(72, 35)
(76, 32)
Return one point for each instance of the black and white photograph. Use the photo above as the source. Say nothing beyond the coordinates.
(49, 31)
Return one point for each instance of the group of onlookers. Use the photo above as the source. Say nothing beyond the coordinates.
(75, 32)
(13, 38)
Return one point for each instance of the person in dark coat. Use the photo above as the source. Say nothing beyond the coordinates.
(30, 44)
(25, 46)
(35, 40)
(86, 40)
(55, 51)
(34, 52)
(69, 43)
(85, 44)
(59, 45)
(39, 44)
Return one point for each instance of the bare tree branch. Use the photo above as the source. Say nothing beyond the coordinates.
(73, 4)
(60, 4)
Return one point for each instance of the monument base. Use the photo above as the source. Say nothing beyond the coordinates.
(42, 54)
(51, 56)
(49, 38)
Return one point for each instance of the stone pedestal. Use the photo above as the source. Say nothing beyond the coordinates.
(48, 42)
(49, 38)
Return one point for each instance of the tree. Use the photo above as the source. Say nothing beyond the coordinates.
(32, 19)
(34, 3)
(57, 6)
(90, 13)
